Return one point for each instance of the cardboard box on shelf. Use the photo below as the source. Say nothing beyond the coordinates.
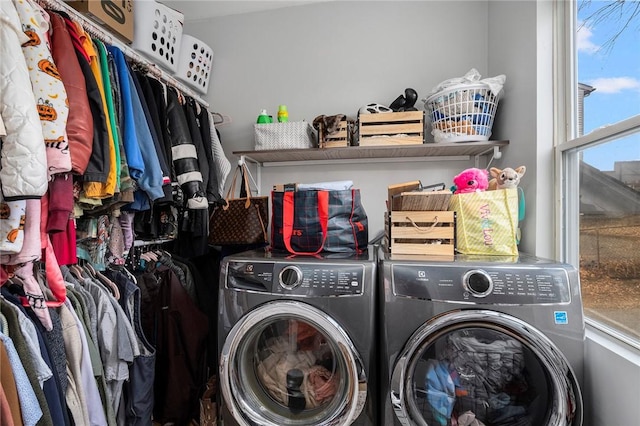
(116, 15)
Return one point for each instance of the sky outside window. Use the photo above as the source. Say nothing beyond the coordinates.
(612, 67)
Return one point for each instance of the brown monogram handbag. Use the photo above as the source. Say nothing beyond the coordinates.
(240, 221)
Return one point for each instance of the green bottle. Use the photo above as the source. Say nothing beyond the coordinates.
(283, 114)
(264, 118)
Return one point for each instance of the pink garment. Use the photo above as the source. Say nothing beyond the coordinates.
(55, 282)
(31, 246)
(468, 418)
(323, 382)
(35, 297)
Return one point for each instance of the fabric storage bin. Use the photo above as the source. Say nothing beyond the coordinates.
(194, 63)
(158, 33)
(290, 135)
(487, 222)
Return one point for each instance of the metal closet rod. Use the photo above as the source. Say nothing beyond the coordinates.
(96, 31)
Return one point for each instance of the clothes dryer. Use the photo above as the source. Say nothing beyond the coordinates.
(498, 339)
(297, 339)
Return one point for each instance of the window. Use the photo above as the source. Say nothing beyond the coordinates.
(600, 158)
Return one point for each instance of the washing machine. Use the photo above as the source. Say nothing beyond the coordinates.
(297, 339)
(494, 339)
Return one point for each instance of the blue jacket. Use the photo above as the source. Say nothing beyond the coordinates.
(129, 138)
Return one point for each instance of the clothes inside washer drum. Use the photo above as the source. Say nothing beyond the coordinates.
(319, 384)
(490, 366)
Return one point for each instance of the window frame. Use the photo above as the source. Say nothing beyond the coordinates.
(568, 144)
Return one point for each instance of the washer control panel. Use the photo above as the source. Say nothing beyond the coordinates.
(491, 285)
(302, 279)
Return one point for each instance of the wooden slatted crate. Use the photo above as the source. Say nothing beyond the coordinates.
(391, 128)
(421, 232)
(339, 139)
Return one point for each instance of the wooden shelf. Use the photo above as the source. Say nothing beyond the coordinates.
(456, 151)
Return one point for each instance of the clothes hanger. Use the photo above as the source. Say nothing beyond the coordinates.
(220, 119)
(110, 285)
(76, 271)
(88, 267)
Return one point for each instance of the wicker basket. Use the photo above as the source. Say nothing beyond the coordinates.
(289, 135)
(462, 113)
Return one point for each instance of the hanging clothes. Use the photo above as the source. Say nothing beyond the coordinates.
(106, 188)
(138, 392)
(214, 195)
(24, 162)
(184, 154)
(172, 320)
(79, 123)
(48, 88)
(100, 350)
(99, 160)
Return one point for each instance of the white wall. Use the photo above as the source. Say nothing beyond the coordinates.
(331, 58)
(519, 49)
(612, 376)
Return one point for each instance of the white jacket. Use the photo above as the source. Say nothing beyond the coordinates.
(23, 165)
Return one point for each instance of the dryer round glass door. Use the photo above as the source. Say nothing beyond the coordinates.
(484, 365)
(289, 363)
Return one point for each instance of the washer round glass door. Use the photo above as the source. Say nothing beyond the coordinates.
(483, 365)
(289, 363)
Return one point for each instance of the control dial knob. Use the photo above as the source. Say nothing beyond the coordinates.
(477, 282)
(290, 277)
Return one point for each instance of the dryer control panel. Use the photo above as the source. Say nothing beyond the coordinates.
(519, 286)
(312, 279)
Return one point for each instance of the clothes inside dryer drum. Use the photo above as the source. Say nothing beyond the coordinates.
(294, 348)
(482, 375)
(317, 383)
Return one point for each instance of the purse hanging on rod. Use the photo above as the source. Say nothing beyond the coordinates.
(240, 221)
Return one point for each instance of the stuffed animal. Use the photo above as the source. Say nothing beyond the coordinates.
(471, 180)
(506, 178)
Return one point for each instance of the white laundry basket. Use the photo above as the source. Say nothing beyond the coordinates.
(462, 113)
(194, 64)
(158, 32)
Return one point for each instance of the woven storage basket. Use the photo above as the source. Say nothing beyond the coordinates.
(158, 33)
(290, 135)
(194, 63)
(462, 113)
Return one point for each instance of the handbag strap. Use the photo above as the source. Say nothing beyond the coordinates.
(232, 188)
(521, 204)
(288, 219)
(264, 228)
(247, 187)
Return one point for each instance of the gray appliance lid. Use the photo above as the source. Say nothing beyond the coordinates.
(464, 260)
(267, 254)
